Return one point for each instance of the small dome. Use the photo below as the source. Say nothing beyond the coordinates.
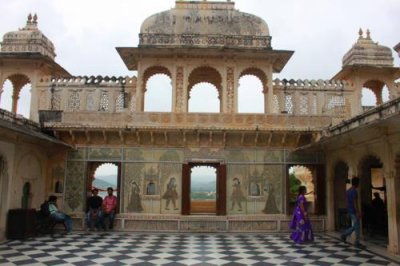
(367, 52)
(28, 40)
(202, 23)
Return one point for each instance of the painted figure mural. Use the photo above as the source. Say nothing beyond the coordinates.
(171, 195)
(237, 194)
(270, 205)
(135, 203)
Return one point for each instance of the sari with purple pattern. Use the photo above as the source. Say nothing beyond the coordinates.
(301, 226)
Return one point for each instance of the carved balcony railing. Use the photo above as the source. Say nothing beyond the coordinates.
(176, 121)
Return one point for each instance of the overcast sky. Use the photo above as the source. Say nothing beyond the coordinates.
(86, 32)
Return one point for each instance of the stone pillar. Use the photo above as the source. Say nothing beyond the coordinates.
(185, 90)
(231, 100)
(15, 96)
(393, 203)
(355, 103)
(330, 194)
(34, 108)
(140, 90)
(393, 197)
(178, 95)
(268, 92)
(1, 87)
(394, 90)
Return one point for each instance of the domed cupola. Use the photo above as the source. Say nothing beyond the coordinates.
(368, 53)
(203, 23)
(28, 40)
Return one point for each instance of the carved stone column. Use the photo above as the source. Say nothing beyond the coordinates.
(231, 106)
(178, 104)
(18, 81)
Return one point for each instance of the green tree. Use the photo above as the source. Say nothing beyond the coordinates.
(294, 185)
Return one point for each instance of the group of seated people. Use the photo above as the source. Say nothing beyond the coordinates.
(101, 212)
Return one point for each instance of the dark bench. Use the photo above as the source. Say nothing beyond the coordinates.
(45, 224)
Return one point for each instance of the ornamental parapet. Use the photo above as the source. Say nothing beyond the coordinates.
(239, 41)
(381, 112)
(177, 121)
(322, 85)
(91, 80)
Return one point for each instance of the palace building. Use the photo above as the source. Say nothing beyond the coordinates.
(316, 129)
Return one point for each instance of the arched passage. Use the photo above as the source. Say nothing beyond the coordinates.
(301, 176)
(102, 175)
(158, 90)
(204, 90)
(16, 95)
(374, 221)
(204, 98)
(251, 91)
(340, 183)
(250, 95)
(374, 93)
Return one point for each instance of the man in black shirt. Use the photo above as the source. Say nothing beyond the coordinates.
(94, 212)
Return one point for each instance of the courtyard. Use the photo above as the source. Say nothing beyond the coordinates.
(114, 248)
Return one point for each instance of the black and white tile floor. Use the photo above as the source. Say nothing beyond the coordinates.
(115, 248)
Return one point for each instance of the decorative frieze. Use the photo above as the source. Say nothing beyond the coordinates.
(245, 41)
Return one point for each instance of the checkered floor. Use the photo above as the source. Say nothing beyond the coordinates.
(113, 248)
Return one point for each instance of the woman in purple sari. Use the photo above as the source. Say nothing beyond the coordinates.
(300, 224)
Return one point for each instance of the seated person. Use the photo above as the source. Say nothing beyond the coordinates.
(59, 216)
(109, 209)
(94, 212)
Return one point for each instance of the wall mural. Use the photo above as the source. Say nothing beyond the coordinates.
(133, 182)
(237, 196)
(75, 197)
(151, 178)
(135, 202)
(171, 194)
(254, 189)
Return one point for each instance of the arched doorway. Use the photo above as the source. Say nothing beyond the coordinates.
(102, 175)
(372, 187)
(301, 176)
(194, 206)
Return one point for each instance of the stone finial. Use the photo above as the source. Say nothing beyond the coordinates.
(368, 34)
(35, 17)
(360, 34)
(29, 18)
